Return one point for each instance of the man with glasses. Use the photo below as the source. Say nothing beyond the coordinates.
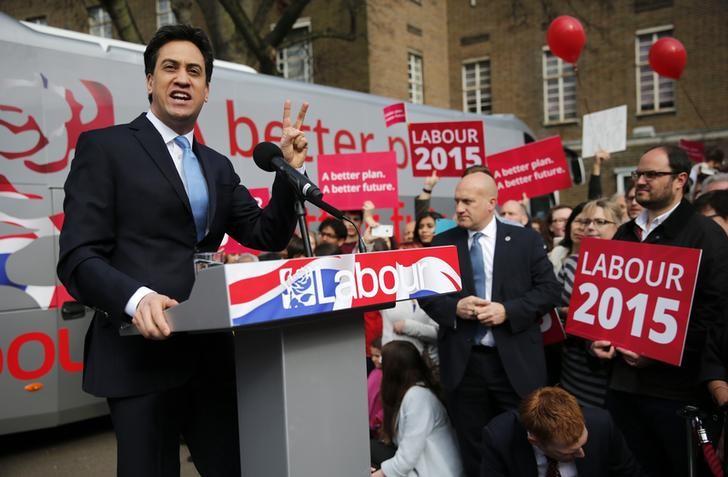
(644, 395)
(332, 231)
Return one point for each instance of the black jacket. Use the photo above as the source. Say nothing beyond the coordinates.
(683, 228)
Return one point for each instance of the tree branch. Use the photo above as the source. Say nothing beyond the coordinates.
(261, 15)
(262, 50)
(285, 23)
(182, 11)
(123, 20)
(330, 33)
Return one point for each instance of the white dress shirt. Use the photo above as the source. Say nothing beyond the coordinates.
(643, 222)
(566, 469)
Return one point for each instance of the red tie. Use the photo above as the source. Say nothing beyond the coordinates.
(552, 470)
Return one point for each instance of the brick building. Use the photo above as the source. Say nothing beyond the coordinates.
(506, 42)
(490, 57)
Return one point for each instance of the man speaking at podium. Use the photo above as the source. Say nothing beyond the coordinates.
(140, 200)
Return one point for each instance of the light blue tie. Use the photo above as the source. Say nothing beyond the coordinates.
(477, 261)
(196, 185)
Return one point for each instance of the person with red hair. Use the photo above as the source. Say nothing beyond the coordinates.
(551, 435)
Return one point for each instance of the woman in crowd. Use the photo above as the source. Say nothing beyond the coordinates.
(556, 225)
(570, 243)
(582, 374)
(415, 419)
(425, 228)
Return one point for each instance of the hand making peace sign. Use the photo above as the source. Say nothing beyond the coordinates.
(293, 142)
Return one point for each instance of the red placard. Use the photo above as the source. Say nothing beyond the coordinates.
(261, 195)
(348, 180)
(551, 329)
(229, 244)
(394, 114)
(695, 149)
(636, 295)
(448, 148)
(535, 169)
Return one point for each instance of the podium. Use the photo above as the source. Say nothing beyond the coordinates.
(299, 349)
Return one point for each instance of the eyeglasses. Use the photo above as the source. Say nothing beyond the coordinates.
(596, 222)
(651, 175)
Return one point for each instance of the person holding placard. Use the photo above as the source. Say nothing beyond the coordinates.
(645, 395)
(582, 374)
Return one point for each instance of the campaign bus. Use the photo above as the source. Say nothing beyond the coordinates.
(57, 84)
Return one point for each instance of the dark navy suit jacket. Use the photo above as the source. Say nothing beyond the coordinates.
(524, 282)
(128, 223)
(507, 452)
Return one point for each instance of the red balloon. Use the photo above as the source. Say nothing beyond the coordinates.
(668, 57)
(566, 38)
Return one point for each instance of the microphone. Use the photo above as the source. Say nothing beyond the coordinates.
(269, 157)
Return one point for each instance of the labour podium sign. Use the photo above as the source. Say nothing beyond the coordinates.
(636, 295)
(299, 348)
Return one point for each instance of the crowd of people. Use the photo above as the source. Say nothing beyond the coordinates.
(457, 383)
(460, 384)
(479, 354)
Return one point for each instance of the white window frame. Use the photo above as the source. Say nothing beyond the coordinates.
(286, 55)
(99, 22)
(415, 77)
(165, 14)
(623, 176)
(481, 88)
(656, 79)
(565, 70)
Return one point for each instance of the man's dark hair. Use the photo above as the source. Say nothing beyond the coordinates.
(326, 248)
(295, 247)
(338, 228)
(678, 160)
(269, 256)
(168, 33)
(714, 155)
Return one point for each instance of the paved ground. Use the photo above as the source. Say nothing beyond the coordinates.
(82, 449)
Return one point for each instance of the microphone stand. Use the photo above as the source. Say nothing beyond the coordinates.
(303, 227)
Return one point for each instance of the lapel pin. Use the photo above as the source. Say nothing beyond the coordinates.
(508, 238)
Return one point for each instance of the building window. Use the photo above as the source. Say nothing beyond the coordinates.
(415, 82)
(41, 20)
(165, 15)
(296, 61)
(559, 89)
(655, 93)
(476, 86)
(99, 22)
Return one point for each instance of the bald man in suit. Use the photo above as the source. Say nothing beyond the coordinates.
(490, 345)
